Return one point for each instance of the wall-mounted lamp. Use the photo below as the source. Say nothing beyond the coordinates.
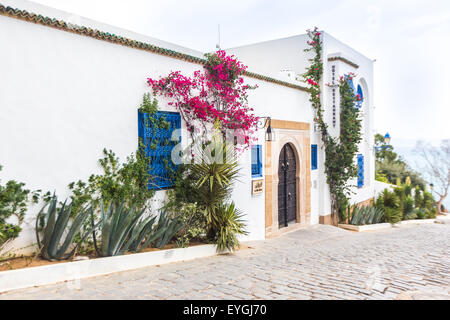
(387, 141)
(270, 135)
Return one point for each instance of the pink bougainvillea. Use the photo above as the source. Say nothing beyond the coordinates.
(217, 94)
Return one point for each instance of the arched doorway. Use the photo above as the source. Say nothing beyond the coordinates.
(287, 187)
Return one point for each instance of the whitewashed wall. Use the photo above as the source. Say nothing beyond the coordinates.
(284, 57)
(364, 77)
(64, 97)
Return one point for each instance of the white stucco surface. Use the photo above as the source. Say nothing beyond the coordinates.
(65, 97)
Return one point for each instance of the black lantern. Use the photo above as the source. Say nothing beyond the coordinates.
(270, 135)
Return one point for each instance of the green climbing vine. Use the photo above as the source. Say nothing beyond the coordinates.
(340, 165)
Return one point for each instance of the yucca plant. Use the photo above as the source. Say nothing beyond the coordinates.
(229, 225)
(117, 223)
(214, 178)
(54, 225)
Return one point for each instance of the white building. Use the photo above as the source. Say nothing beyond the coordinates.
(68, 91)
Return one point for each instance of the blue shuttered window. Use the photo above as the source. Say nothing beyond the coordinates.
(155, 137)
(360, 170)
(359, 92)
(314, 157)
(256, 161)
(350, 83)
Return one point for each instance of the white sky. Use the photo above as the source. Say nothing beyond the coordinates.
(410, 40)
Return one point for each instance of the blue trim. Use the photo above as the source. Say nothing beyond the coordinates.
(359, 92)
(257, 161)
(360, 170)
(314, 157)
(157, 145)
(350, 83)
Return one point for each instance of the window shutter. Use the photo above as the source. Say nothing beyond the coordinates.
(314, 157)
(155, 140)
(257, 161)
(359, 92)
(360, 170)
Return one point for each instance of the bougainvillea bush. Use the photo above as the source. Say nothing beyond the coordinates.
(216, 94)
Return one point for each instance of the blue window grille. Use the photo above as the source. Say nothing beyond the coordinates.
(256, 161)
(360, 170)
(155, 138)
(314, 157)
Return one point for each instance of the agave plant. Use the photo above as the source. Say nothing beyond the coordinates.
(156, 235)
(54, 225)
(366, 215)
(166, 228)
(119, 227)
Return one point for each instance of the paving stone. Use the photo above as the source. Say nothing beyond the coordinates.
(320, 262)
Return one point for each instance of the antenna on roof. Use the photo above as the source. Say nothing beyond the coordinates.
(218, 31)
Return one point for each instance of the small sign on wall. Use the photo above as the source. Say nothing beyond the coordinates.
(257, 186)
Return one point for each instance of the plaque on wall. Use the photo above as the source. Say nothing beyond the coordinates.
(257, 186)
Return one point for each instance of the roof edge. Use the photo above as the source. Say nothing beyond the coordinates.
(117, 39)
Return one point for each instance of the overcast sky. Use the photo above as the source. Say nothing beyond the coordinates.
(409, 39)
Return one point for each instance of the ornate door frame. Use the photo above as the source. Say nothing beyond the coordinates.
(287, 186)
(296, 134)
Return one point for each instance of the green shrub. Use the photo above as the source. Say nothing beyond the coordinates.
(228, 226)
(206, 188)
(431, 214)
(120, 182)
(407, 188)
(408, 206)
(393, 215)
(428, 202)
(387, 199)
(420, 213)
(381, 177)
(14, 199)
(392, 205)
(418, 197)
(194, 219)
(213, 181)
(148, 104)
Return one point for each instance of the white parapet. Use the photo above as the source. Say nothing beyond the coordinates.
(70, 271)
(416, 221)
(370, 227)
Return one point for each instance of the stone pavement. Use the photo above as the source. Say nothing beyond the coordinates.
(319, 262)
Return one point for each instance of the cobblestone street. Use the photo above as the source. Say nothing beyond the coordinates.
(320, 262)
